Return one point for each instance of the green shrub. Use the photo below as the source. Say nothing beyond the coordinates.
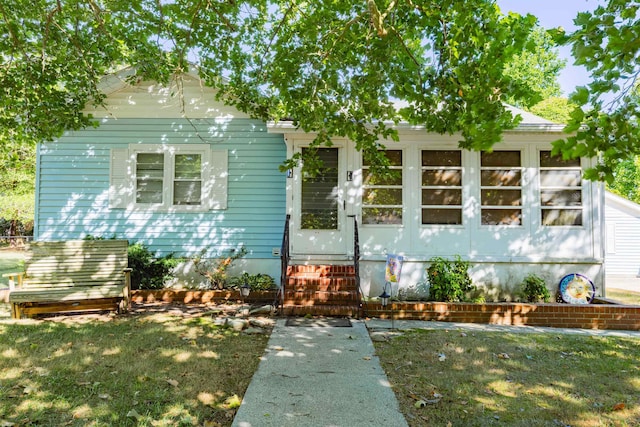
(449, 280)
(215, 269)
(257, 282)
(150, 271)
(534, 289)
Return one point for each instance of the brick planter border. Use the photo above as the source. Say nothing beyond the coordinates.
(589, 316)
(603, 315)
(200, 297)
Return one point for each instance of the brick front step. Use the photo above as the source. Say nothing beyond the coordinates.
(327, 290)
(320, 298)
(320, 270)
(321, 310)
(324, 284)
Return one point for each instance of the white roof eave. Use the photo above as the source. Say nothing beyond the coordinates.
(289, 127)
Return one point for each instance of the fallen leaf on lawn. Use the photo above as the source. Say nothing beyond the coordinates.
(209, 423)
(618, 406)
(83, 383)
(28, 390)
(173, 382)
(104, 396)
(424, 402)
(133, 414)
(233, 402)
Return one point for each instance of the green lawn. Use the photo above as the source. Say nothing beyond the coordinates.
(454, 378)
(624, 296)
(134, 370)
(11, 261)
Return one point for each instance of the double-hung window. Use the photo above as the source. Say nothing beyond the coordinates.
(186, 177)
(501, 188)
(560, 190)
(441, 187)
(382, 193)
(184, 171)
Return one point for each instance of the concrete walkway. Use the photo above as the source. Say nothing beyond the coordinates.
(319, 376)
(329, 376)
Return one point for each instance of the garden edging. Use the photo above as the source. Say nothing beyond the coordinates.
(586, 316)
(603, 315)
(186, 296)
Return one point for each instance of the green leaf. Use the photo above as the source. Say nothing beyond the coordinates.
(580, 96)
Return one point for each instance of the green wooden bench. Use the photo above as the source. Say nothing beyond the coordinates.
(71, 276)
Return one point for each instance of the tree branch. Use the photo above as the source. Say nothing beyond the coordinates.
(273, 37)
(47, 27)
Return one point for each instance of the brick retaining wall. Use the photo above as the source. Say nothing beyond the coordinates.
(200, 297)
(589, 316)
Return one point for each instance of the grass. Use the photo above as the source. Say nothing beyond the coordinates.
(624, 296)
(453, 378)
(11, 261)
(152, 369)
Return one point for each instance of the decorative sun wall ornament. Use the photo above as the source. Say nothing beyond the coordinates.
(577, 289)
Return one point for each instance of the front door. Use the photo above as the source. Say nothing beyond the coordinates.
(319, 226)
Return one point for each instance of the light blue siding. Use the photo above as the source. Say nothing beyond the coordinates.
(73, 177)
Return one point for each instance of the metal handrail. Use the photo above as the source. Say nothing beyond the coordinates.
(284, 263)
(356, 261)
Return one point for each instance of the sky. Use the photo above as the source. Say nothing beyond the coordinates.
(557, 13)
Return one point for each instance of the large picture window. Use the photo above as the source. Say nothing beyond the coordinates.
(560, 190)
(382, 193)
(441, 187)
(501, 188)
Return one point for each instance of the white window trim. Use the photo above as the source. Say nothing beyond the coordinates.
(464, 190)
(581, 188)
(522, 187)
(122, 187)
(403, 207)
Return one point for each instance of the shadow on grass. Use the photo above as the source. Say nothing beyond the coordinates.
(147, 369)
(449, 378)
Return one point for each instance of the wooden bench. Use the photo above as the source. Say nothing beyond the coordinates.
(70, 276)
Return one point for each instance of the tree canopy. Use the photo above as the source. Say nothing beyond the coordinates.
(604, 122)
(334, 67)
(538, 67)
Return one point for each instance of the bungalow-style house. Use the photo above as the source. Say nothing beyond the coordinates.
(180, 172)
